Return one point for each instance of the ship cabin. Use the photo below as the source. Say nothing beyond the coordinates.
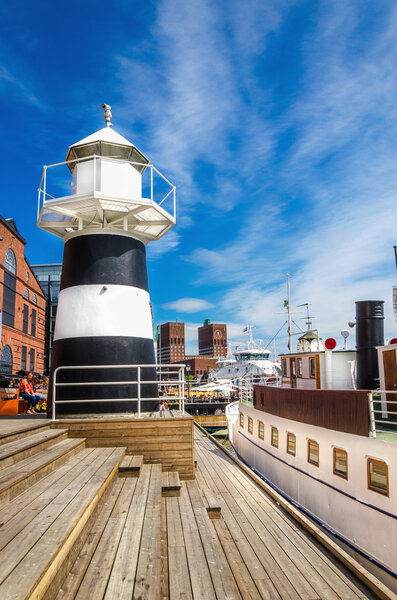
(314, 367)
(249, 354)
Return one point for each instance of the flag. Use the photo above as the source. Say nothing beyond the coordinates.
(285, 303)
(157, 333)
(245, 329)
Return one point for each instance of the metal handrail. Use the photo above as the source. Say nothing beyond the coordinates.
(172, 369)
(372, 411)
(43, 182)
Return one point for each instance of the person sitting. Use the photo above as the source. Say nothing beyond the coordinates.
(26, 392)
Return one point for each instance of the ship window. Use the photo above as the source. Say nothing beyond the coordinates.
(250, 425)
(340, 462)
(313, 452)
(261, 430)
(241, 420)
(291, 443)
(312, 364)
(284, 363)
(378, 476)
(275, 437)
(299, 367)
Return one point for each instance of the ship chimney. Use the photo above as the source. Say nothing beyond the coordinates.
(369, 335)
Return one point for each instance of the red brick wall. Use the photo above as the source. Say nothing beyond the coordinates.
(213, 339)
(13, 336)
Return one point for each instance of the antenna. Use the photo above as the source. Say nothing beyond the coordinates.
(107, 114)
(308, 318)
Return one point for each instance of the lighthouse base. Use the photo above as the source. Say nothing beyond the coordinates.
(100, 391)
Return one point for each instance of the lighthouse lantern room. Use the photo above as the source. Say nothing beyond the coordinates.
(104, 315)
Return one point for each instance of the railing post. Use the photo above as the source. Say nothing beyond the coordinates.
(139, 392)
(371, 414)
(53, 394)
(183, 390)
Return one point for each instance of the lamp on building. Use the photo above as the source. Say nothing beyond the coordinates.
(188, 368)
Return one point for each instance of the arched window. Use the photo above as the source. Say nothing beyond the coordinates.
(6, 360)
(34, 299)
(27, 275)
(10, 263)
(10, 269)
(26, 294)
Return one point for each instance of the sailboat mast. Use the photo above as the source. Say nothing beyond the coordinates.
(289, 315)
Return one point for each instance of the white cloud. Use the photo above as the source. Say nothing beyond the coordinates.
(188, 305)
(165, 244)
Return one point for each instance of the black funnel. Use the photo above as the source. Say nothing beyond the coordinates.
(369, 335)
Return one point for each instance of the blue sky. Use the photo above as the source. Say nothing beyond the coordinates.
(276, 120)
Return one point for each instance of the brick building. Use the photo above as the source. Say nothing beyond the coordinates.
(200, 366)
(23, 305)
(171, 342)
(212, 339)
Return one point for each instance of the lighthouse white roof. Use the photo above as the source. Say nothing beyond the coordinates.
(107, 134)
(101, 143)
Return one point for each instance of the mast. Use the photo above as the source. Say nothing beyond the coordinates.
(289, 315)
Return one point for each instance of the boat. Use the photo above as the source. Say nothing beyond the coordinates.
(321, 449)
(248, 364)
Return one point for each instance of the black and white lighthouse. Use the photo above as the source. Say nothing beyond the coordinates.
(104, 313)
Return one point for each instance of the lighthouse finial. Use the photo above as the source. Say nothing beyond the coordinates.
(107, 114)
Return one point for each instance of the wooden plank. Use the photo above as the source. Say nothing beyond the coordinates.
(170, 485)
(71, 584)
(200, 578)
(16, 478)
(222, 577)
(178, 569)
(35, 571)
(97, 575)
(122, 577)
(147, 581)
(164, 586)
(131, 466)
(17, 450)
(14, 429)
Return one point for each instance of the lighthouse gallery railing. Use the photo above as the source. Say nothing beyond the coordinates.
(174, 378)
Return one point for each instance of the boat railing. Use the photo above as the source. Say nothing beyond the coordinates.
(382, 411)
(169, 377)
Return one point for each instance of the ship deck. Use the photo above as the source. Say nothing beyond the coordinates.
(218, 536)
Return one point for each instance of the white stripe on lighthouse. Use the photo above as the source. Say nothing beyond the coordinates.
(103, 310)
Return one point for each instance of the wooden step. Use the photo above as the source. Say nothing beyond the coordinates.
(15, 451)
(170, 484)
(14, 479)
(22, 429)
(131, 466)
(121, 557)
(33, 564)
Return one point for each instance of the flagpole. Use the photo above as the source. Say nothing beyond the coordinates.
(289, 316)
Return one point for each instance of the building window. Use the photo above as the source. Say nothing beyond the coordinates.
(27, 275)
(284, 365)
(26, 294)
(10, 268)
(378, 476)
(6, 360)
(242, 420)
(274, 440)
(33, 322)
(261, 430)
(25, 318)
(250, 425)
(10, 264)
(23, 358)
(291, 443)
(299, 367)
(31, 359)
(340, 462)
(313, 452)
(34, 299)
(312, 366)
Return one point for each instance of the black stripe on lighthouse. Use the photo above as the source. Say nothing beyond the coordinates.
(103, 317)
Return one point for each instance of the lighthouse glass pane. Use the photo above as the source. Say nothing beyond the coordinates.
(115, 151)
(86, 150)
(340, 462)
(378, 479)
(135, 157)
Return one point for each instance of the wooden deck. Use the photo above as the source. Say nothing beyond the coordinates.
(80, 523)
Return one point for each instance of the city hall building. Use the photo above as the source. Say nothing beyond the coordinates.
(23, 306)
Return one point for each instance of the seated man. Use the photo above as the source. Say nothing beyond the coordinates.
(26, 392)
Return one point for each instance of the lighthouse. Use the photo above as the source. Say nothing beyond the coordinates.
(104, 318)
